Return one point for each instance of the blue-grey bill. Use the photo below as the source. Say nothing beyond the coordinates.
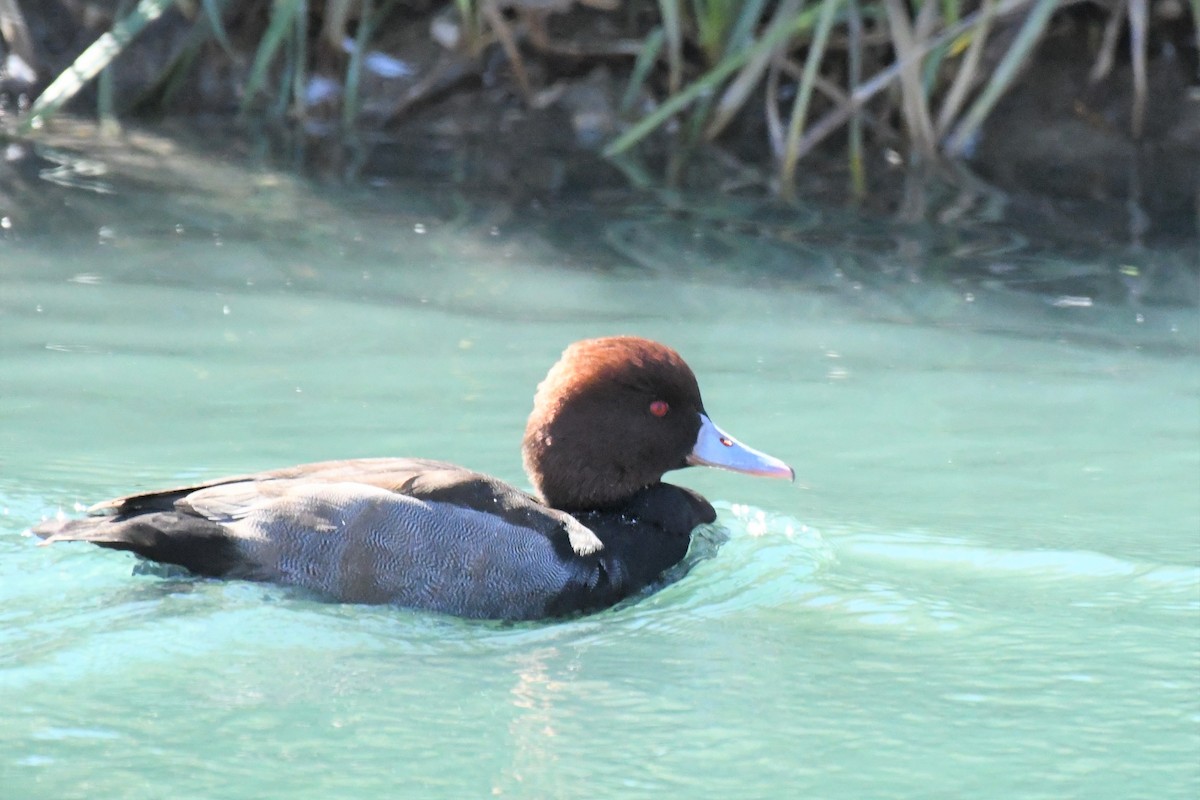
(716, 448)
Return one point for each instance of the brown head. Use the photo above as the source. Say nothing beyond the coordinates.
(616, 413)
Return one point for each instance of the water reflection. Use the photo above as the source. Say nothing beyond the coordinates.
(533, 728)
(973, 267)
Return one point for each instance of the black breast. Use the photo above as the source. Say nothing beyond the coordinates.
(642, 539)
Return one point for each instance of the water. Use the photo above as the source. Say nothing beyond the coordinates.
(985, 583)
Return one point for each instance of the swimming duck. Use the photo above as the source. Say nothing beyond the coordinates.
(610, 418)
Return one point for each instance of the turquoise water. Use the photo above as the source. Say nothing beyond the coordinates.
(985, 582)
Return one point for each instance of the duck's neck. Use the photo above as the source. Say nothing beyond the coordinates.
(570, 479)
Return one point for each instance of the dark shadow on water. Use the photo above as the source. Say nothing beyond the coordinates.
(974, 257)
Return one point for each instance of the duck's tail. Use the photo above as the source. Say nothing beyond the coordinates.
(201, 546)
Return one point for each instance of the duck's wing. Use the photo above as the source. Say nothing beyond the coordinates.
(386, 473)
(183, 524)
(430, 481)
(446, 483)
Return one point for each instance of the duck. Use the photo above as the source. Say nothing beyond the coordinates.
(612, 416)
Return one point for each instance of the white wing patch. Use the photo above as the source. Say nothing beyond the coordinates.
(583, 541)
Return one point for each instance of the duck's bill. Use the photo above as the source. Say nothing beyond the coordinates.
(716, 448)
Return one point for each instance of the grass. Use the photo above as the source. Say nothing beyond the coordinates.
(928, 72)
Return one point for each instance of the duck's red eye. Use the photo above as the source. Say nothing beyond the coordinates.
(659, 408)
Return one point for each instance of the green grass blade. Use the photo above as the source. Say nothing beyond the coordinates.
(706, 83)
(646, 57)
(858, 169)
(279, 30)
(740, 88)
(1108, 43)
(816, 52)
(106, 102)
(170, 80)
(885, 77)
(673, 29)
(335, 19)
(1196, 25)
(1139, 20)
(706, 15)
(300, 60)
(742, 34)
(96, 57)
(350, 97)
(1005, 73)
(965, 76)
(909, 51)
(213, 10)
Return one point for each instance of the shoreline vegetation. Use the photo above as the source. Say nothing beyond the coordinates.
(1016, 88)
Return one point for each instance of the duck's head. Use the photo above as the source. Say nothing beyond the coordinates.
(616, 413)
